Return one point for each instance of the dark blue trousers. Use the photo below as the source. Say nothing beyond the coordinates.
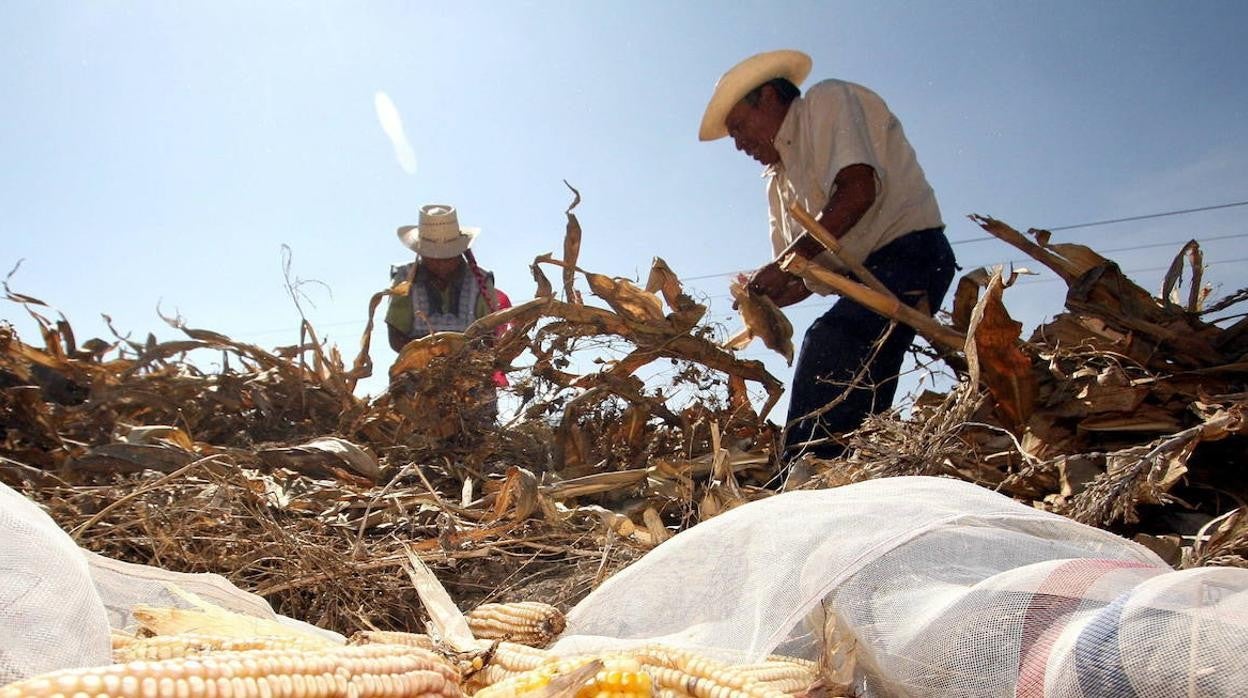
(916, 266)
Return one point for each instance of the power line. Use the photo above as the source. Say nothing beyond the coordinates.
(1132, 248)
(1162, 214)
(1134, 271)
(1023, 282)
(1129, 248)
(1026, 282)
(712, 276)
(1151, 215)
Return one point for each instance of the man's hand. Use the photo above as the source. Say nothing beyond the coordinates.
(769, 280)
(780, 286)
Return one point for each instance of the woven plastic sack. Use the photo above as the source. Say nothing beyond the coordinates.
(926, 586)
(50, 614)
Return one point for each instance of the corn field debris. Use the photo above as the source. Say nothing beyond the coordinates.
(1126, 411)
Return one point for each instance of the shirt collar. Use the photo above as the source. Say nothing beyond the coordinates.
(785, 141)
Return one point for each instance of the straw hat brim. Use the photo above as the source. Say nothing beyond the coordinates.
(409, 235)
(744, 77)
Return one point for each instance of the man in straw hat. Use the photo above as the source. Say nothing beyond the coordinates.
(841, 154)
(448, 289)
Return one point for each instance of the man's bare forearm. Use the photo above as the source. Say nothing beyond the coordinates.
(853, 194)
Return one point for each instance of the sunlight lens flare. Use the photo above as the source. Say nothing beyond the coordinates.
(392, 124)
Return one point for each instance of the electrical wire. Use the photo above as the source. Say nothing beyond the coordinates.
(1110, 221)
(1162, 214)
(1131, 248)
(1022, 282)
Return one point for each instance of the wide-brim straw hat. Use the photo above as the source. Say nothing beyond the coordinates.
(744, 77)
(438, 234)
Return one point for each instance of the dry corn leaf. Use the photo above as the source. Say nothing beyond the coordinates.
(994, 358)
(417, 353)
(738, 395)
(158, 434)
(630, 302)
(519, 493)
(762, 319)
(362, 367)
(656, 527)
(328, 455)
(1145, 419)
(132, 458)
(664, 280)
(449, 624)
(966, 297)
(571, 246)
(544, 289)
(207, 619)
(1174, 277)
(614, 481)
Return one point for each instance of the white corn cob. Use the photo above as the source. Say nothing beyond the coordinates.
(174, 646)
(391, 637)
(526, 622)
(371, 671)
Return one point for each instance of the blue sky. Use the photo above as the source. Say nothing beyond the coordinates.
(159, 152)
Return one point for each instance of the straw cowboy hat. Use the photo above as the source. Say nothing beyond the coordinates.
(744, 77)
(438, 235)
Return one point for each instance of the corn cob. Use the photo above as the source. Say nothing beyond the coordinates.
(699, 676)
(174, 646)
(784, 674)
(670, 693)
(211, 620)
(491, 663)
(780, 658)
(774, 668)
(518, 658)
(617, 676)
(505, 660)
(121, 639)
(372, 671)
(391, 637)
(490, 675)
(526, 622)
(676, 673)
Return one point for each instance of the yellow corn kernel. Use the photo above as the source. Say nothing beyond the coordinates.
(618, 677)
(516, 684)
(614, 683)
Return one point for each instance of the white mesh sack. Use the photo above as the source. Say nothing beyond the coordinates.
(50, 614)
(941, 588)
(124, 585)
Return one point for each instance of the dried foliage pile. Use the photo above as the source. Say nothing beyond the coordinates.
(1125, 412)
(274, 473)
